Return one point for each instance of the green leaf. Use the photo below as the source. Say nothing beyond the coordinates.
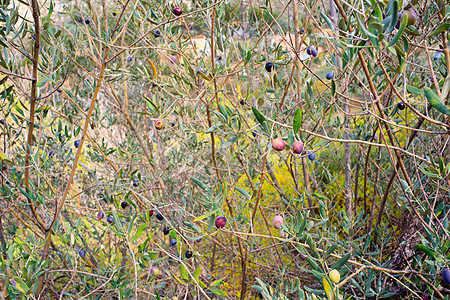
(302, 224)
(322, 209)
(312, 245)
(213, 128)
(5, 159)
(364, 29)
(153, 106)
(197, 273)
(400, 30)
(11, 252)
(178, 279)
(441, 28)
(430, 174)
(328, 290)
(192, 226)
(414, 90)
(184, 273)
(223, 111)
(247, 57)
(297, 120)
(320, 196)
(219, 42)
(139, 232)
(217, 282)
(330, 251)
(426, 250)
(446, 88)
(200, 184)
(21, 286)
(205, 215)
(393, 13)
(218, 292)
(50, 11)
(330, 24)
(243, 192)
(436, 102)
(228, 143)
(203, 75)
(313, 264)
(310, 91)
(259, 116)
(406, 186)
(337, 265)
(193, 238)
(411, 30)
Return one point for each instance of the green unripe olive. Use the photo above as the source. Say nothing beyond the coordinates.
(334, 276)
(412, 16)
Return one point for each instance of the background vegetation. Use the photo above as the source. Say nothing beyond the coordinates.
(85, 86)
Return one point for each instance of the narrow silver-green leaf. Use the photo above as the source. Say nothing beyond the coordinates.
(364, 29)
(228, 143)
(259, 116)
(297, 120)
(330, 24)
(436, 102)
(394, 16)
(414, 90)
(441, 28)
(139, 232)
(192, 226)
(205, 215)
(400, 30)
(337, 265)
(446, 88)
(243, 192)
(200, 184)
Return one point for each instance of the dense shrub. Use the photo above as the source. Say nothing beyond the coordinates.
(146, 150)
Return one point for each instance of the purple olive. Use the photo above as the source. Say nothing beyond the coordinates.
(269, 66)
(278, 144)
(221, 222)
(297, 147)
(446, 276)
(166, 230)
(401, 105)
(100, 215)
(177, 11)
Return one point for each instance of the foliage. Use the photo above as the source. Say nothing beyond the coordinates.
(99, 201)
